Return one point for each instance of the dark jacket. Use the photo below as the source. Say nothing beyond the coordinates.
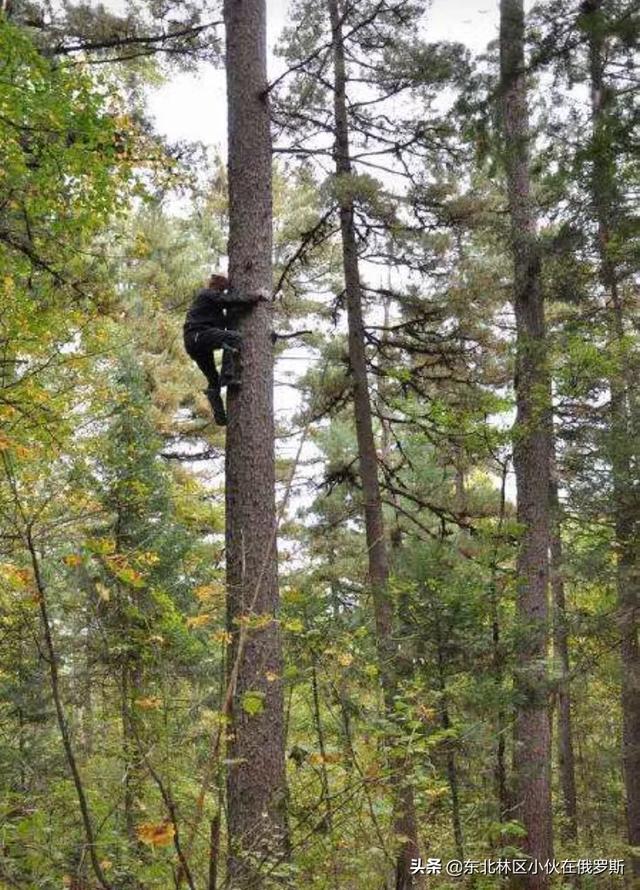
(206, 311)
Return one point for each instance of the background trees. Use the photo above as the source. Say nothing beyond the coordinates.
(394, 682)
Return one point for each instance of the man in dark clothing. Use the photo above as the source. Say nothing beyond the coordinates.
(208, 326)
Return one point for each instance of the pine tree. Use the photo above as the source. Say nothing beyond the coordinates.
(532, 757)
(608, 212)
(256, 790)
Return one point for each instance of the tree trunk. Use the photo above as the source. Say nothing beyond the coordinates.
(405, 819)
(566, 759)
(531, 459)
(129, 755)
(256, 781)
(625, 506)
(452, 773)
(326, 823)
(214, 851)
(497, 665)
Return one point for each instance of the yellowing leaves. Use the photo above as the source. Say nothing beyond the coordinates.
(15, 577)
(341, 656)
(291, 595)
(147, 558)
(130, 576)
(437, 793)
(20, 581)
(198, 621)
(125, 572)
(7, 444)
(156, 834)
(151, 703)
(294, 625)
(209, 593)
(210, 720)
(222, 636)
(316, 759)
(255, 622)
(373, 771)
(141, 247)
(72, 560)
(101, 546)
(103, 592)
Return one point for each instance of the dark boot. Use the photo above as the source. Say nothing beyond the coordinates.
(231, 371)
(217, 406)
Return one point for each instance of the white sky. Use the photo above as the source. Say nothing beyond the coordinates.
(192, 106)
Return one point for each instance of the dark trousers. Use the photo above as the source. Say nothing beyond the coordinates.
(200, 346)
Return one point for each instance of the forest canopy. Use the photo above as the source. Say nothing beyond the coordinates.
(321, 573)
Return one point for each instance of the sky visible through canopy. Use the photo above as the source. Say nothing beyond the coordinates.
(192, 106)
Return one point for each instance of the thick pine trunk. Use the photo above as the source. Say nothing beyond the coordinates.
(405, 819)
(625, 504)
(531, 459)
(256, 782)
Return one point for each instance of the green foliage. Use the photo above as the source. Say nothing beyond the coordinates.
(111, 472)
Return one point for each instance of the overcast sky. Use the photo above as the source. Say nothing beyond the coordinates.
(192, 106)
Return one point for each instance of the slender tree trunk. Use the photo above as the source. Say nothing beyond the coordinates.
(566, 759)
(497, 660)
(131, 687)
(324, 776)
(256, 781)
(327, 819)
(531, 459)
(214, 851)
(452, 773)
(128, 750)
(63, 725)
(625, 505)
(405, 819)
(87, 692)
(500, 768)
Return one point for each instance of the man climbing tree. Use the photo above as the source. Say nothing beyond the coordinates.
(209, 325)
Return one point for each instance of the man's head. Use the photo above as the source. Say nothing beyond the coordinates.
(218, 283)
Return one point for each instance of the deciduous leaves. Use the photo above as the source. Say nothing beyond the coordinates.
(156, 834)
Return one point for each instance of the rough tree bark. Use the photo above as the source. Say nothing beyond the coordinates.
(378, 558)
(532, 735)
(256, 781)
(622, 434)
